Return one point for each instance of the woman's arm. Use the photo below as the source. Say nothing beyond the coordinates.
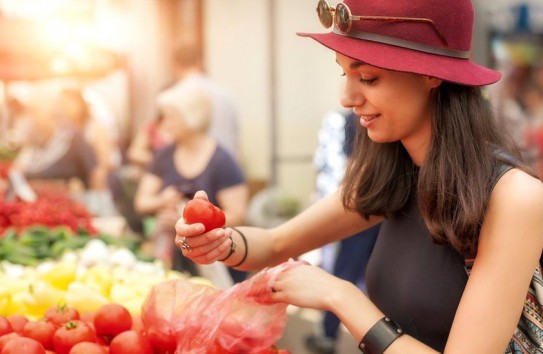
(510, 246)
(149, 199)
(323, 222)
(139, 151)
(234, 202)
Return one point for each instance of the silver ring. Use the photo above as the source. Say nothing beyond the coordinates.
(185, 245)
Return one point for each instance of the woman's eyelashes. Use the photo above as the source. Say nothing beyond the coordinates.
(363, 80)
(368, 81)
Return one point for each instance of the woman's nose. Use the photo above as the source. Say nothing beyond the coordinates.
(351, 95)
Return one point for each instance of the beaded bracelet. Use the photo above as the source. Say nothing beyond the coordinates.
(246, 248)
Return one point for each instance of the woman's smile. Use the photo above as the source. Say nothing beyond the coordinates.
(366, 120)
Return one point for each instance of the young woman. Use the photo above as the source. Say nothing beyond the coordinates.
(432, 167)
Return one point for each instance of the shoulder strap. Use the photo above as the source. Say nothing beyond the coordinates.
(506, 162)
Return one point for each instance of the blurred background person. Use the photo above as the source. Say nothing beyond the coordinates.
(194, 161)
(189, 72)
(76, 111)
(52, 149)
(348, 258)
(148, 140)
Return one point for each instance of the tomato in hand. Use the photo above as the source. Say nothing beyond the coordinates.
(59, 315)
(70, 334)
(112, 319)
(42, 331)
(130, 342)
(23, 345)
(88, 348)
(201, 211)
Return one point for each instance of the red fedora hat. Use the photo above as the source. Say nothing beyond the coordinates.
(428, 37)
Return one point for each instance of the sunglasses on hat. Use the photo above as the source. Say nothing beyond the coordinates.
(341, 17)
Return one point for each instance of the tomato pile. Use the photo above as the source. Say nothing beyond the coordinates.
(52, 208)
(63, 330)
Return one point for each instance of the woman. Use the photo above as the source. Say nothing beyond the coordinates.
(433, 167)
(76, 111)
(54, 150)
(194, 161)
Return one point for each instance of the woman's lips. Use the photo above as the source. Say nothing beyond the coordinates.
(367, 120)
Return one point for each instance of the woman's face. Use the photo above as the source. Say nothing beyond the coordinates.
(174, 124)
(392, 105)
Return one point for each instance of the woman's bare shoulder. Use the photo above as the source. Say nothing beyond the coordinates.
(519, 188)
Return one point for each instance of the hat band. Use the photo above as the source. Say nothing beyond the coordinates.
(379, 38)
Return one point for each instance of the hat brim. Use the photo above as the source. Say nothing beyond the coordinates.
(460, 71)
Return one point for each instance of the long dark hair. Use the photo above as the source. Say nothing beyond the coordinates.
(453, 185)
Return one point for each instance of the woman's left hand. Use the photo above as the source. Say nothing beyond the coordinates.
(306, 286)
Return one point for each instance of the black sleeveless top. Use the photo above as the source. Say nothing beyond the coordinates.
(415, 281)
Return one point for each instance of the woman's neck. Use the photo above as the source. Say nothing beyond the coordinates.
(195, 142)
(417, 148)
(193, 155)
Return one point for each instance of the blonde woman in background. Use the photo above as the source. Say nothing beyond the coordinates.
(194, 161)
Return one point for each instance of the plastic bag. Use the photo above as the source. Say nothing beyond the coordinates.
(200, 319)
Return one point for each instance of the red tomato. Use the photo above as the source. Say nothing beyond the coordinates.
(70, 334)
(201, 211)
(6, 338)
(59, 315)
(42, 331)
(112, 319)
(17, 322)
(23, 345)
(5, 326)
(87, 317)
(162, 342)
(130, 342)
(88, 348)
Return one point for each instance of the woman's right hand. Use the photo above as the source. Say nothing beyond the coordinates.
(200, 246)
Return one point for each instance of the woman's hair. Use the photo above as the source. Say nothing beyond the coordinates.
(192, 104)
(454, 184)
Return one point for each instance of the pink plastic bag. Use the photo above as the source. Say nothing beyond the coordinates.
(241, 319)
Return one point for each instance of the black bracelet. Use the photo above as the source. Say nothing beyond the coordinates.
(232, 250)
(246, 248)
(380, 336)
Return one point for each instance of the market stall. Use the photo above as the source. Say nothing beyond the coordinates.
(61, 274)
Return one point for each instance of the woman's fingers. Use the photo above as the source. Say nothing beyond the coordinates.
(188, 230)
(202, 244)
(212, 254)
(201, 195)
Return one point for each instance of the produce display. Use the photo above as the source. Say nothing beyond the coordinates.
(68, 289)
(85, 280)
(52, 208)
